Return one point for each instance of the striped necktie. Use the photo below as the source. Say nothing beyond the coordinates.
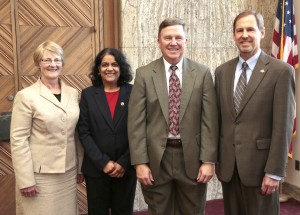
(240, 87)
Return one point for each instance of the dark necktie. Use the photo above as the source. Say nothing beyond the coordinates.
(240, 88)
(174, 101)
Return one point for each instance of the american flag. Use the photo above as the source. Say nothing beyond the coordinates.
(284, 44)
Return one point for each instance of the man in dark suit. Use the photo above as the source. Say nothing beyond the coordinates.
(256, 122)
(174, 157)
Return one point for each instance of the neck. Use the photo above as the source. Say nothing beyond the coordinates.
(111, 88)
(52, 85)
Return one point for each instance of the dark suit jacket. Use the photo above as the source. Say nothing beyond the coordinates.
(148, 117)
(258, 136)
(103, 139)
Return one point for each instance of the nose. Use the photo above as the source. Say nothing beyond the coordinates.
(109, 67)
(245, 34)
(173, 41)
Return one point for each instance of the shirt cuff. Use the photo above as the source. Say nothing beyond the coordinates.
(275, 177)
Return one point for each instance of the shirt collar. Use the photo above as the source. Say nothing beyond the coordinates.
(167, 65)
(251, 61)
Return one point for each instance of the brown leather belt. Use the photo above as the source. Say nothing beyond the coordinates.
(175, 143)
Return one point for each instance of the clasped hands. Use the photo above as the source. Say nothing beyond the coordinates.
(113, 169)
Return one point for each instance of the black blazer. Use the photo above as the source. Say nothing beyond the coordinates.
(103, 139)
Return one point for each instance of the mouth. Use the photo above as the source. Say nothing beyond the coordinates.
(246, 43)
(110, 74)
(52, 70)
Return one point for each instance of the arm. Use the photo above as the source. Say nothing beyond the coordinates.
(209, 130)
(282, 127)
(137, 130)
(137, 122)
(283, 117)
(21, 124)
(99, 159)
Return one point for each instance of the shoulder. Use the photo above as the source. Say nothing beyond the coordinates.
(227, 63)
(90, 89)
(127, 86)
(30, 90)
(223, 68)
(194, 64)
(71, 89)
(151, 65)
(276, 65)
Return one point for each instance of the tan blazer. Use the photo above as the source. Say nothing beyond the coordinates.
(43, 132)
(258, 136)
(148, 117)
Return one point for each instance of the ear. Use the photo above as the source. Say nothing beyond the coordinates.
(263, 32)
(233, 36)
(158, 42)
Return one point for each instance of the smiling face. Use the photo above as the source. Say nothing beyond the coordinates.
(247, 36)
(109, 70)
(172, 43)
(50, 66)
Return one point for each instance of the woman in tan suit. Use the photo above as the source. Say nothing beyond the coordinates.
(45, 154)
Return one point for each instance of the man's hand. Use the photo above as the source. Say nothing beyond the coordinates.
(143, 174)
(269, 186)
(205, 173)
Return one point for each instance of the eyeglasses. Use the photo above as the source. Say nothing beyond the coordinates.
(49, 61)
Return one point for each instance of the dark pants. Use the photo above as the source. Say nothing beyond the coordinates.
(106, 194)
(242, 200)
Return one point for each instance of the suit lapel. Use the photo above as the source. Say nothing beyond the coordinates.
(121, 105)
(188, 80)
(257, 76)
(47, 94)
(101, 101)
(65, 96)
(160, 84)
(229, 77)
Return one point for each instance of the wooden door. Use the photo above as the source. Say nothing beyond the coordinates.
(78, 26)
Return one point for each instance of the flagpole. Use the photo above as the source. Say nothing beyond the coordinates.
(282, 32)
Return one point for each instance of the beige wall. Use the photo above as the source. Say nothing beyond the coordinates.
(209, 30)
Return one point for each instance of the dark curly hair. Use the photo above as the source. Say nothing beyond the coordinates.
(125, 68)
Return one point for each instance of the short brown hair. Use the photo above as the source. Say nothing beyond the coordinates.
(170, 22)
(47, 46)
(259, 18)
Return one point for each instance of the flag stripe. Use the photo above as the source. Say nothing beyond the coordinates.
(284, 44)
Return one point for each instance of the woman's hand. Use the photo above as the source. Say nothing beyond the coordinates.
(118, 171)
(80, 178)
(29, 191)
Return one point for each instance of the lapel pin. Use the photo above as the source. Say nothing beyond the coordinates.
(122, 103)
(262, 70)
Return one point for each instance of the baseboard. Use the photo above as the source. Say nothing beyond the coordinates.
(291, 190)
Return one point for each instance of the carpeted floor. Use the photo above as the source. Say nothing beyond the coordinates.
(215, 207)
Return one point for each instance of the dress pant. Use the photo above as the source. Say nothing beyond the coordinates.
(107, 195)
(174, 193)
(242, 200)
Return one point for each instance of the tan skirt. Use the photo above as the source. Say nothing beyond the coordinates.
(57, 195)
